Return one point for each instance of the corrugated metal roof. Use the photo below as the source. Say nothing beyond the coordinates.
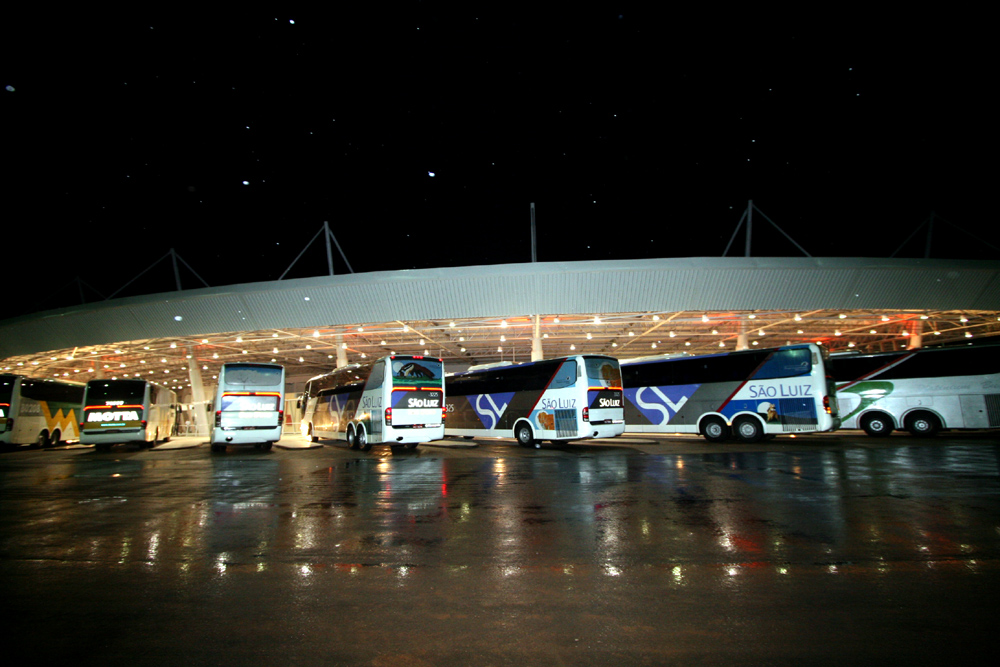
(662, 285)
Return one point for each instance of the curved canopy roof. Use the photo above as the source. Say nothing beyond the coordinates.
(661, 287)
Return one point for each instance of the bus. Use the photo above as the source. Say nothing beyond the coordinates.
(570, 398)
(40, 413)
(922, 391)
(749, 394)
(396, 400)
(249, 405)
(124, 411)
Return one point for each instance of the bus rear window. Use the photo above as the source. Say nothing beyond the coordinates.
(6, 388)
(253, 376)
(603, 372)
(106, 392)
(416, 372)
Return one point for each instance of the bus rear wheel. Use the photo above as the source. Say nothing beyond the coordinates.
(877, 425)
(362, 438)
(923, 424)
(42, 440)
(352, 442)
(715, 429)
(748, 429)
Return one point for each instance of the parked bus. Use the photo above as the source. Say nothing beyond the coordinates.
(123, 411)
(249, 405)
(40, 413)
(922, 391)
(571, 398)
(750, 394)
(396, 400)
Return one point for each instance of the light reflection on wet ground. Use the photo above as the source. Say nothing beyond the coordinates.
(584, 554)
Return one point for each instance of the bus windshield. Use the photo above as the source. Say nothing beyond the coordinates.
(603, 372)
(109, 392)
(416, 372)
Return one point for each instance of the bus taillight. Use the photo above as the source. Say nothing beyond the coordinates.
(218, 418)
(388, 416)
(586, 414)
(826, 405)
(281, 417)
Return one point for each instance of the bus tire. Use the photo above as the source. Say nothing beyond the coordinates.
(55, 438)
(922, 423)
(715, 429)
(524, 436)
(411, 445)
(362, 437)
(352, 442)
(312, 435)
(42, 440)
(264, 446)
(877, 424)
(748, 429)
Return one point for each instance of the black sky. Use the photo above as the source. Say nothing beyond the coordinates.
(636, 132)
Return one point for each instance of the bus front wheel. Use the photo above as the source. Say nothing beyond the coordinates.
(923, 423)
(715, 429)
(525, 437)
(877, 425)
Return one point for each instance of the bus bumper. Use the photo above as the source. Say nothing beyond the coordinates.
(245, 436)
(114, 438)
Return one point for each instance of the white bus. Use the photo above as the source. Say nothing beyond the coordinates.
(123, 411)
(749, 394)
(396, 400)
(922, 391)
(249, 405)
(571, 398)
(40, 413)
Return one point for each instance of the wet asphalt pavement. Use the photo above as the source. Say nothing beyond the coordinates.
(823, 550)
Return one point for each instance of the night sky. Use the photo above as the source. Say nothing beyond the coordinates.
(423, 131)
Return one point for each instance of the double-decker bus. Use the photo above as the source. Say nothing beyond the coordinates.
(922, 391)
(396, 400)
(750, 394)
(249, 405)
(571, 398)
(124, 411)
(36, 412)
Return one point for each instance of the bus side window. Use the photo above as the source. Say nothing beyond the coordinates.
(377, 376)
(565, 376)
